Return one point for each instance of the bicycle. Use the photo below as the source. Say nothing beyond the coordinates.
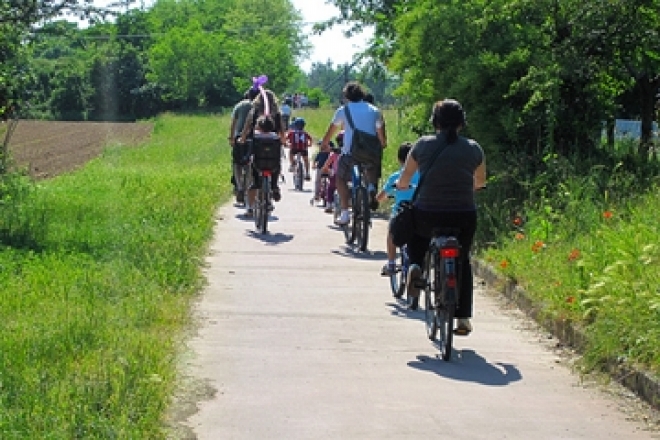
(440, 278)
(298, 172)
(266, 160)
(321, 195)
(361, 215)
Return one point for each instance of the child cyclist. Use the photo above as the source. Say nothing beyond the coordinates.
(389, 190)
(320, 158)
(330, 168)
(299, 141)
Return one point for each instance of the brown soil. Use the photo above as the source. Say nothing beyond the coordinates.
(49, 148)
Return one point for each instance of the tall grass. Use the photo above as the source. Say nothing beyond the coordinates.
(98, 269)
(584, 246)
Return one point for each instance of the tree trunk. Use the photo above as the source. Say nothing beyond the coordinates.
(648, 88)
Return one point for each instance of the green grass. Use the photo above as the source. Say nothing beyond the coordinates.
(98, 271)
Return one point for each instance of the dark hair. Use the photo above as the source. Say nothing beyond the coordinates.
(448, 116)
(404, 150)
(353, 91)
(369, 98)
(251, 94)
(265, 123)
(259, 105)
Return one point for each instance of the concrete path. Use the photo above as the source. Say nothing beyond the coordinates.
(300, 338)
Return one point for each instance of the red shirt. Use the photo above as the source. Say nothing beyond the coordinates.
(299, 139)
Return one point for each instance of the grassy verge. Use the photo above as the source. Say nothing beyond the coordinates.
(98, 269)
(591, 260)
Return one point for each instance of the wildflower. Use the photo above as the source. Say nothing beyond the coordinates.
(574, 255)
(504, 264)
(517, 220)
(520, 236)
(537, 246)
(607, 214)
(570, 299)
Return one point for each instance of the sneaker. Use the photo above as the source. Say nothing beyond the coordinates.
(414, 274)
(307, 177)
(388, 270)
(414, 303)
(277, 195)
(249, 212)
(344, 218)
(463, 327)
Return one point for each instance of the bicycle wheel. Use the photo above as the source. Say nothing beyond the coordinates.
(265, 203)
(355, 215)
(298, 177)
(361, 225)
(445, 313)
(402, 274)
(429, 275)
(246, 182)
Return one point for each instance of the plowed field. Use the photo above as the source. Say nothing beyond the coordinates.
(48, 148)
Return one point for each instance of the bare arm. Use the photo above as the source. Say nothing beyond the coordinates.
(246, 126)
(329, 133)
(409, 169)
(232, 131)
(480, 176)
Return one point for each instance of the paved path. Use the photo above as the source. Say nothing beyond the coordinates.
(301, 339)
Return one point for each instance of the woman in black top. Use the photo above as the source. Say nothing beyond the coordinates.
(446, 196)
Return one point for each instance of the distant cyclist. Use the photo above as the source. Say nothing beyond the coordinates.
(446, 196)
(299, 141)
(239, 151)
(286, 110)
(368, 118)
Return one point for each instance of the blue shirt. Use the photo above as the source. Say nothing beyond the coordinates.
(400, 195)
(366, 117)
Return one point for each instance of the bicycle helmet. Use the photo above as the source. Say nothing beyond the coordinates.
(299, 123)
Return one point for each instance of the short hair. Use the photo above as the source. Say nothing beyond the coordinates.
(404, 150)
(265, 124)
(353, 91)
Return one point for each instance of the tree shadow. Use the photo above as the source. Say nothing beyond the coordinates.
(468, 366)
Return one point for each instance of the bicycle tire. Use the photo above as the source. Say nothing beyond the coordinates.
(430, 316)
(246, 183)
(445, 311)
(365, 219)
(299, 177)
(265, 190)
(445, 319)
(355, 214)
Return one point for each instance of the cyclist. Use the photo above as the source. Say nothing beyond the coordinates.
(389, 190)
(298, 141)
(239, 151)
(285, 109)
(330, 168)
(320, 158)
(365, 117)
(264, 120)
(446, 198)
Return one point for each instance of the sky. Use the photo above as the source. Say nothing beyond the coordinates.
(330, 45)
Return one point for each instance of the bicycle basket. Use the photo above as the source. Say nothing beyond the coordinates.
(267, 154)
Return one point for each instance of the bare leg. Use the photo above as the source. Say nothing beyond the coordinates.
(344, 193)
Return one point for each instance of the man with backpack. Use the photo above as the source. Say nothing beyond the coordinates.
(239, 150)
(361, 116)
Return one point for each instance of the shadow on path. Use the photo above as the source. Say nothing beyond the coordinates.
(352, 252)
(271, 238)
(468, 366)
